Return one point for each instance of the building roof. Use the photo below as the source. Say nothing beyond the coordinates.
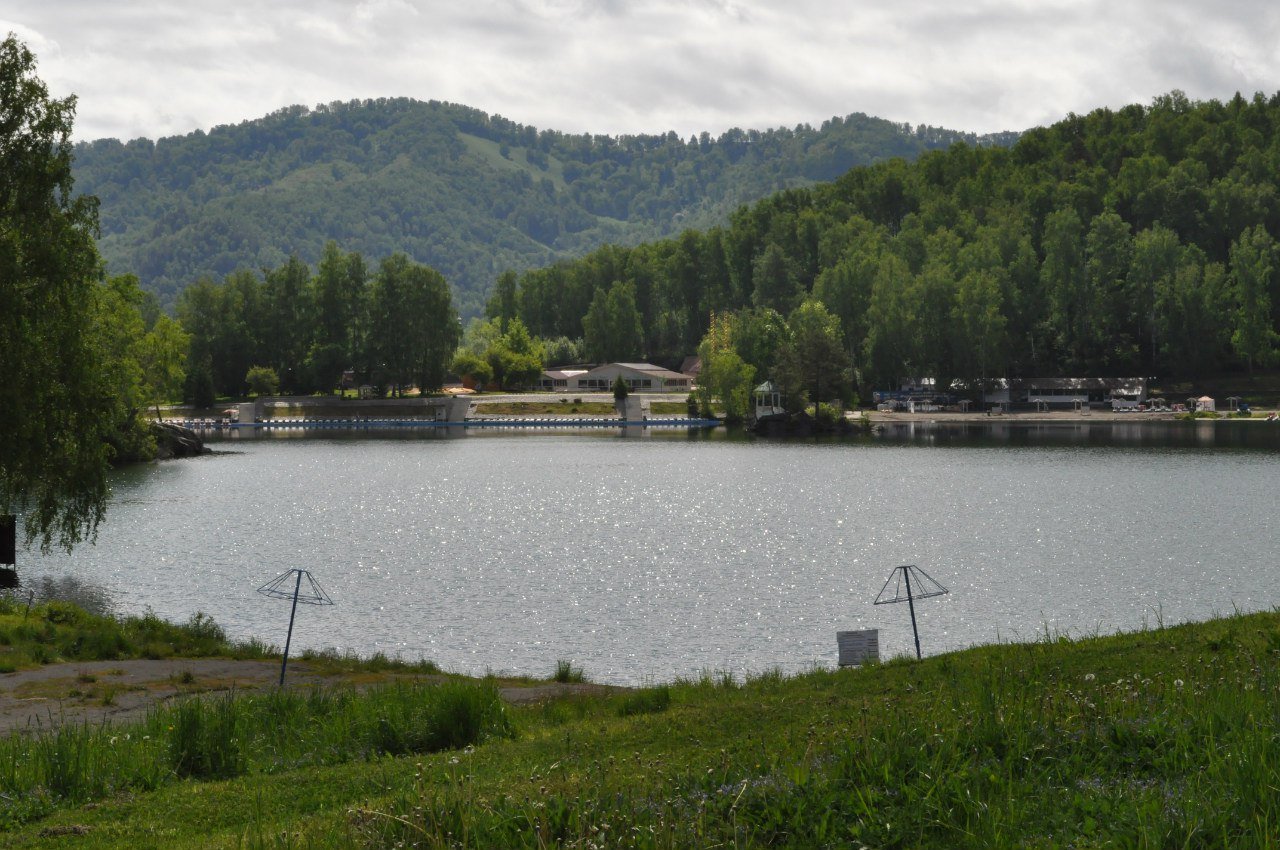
(646, 369)
(563, 373)
(639, 367)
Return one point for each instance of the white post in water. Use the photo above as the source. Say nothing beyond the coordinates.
(277, 588)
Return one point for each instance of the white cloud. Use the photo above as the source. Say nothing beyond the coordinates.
(159, 67)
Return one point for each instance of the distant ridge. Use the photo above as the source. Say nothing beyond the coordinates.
(469, 193)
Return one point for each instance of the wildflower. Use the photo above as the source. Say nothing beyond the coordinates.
(1089, 677)
(1177, 683)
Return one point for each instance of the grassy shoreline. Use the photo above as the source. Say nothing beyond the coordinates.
(1162, 737)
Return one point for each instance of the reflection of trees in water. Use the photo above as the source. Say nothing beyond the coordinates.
(91, 597)
(1199, 434)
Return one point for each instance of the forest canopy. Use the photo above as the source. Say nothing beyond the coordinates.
(451, 187)
(1139, 241)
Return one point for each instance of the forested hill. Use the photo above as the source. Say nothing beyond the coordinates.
(1138, 241)
(465, 192)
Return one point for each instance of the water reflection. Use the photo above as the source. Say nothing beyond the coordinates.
(1156, 434)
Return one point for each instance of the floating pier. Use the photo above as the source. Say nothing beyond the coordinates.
(363, 424)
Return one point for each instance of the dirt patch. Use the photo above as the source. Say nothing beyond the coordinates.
(121, 691)
(94, 691)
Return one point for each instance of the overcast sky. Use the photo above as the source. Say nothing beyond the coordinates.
(163, 67)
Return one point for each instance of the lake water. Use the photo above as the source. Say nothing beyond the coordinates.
(644, 559)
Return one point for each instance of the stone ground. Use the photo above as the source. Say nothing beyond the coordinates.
(119, 691)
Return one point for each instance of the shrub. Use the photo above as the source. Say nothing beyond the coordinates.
(262, 380)
(566, 672)
(202, 627)
(828, 414)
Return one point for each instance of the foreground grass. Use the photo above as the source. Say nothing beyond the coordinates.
(1163, 738)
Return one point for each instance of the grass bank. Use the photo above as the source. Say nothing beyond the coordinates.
(1161, 738)
(38, 630)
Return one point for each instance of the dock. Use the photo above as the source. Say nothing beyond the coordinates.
(371, 424)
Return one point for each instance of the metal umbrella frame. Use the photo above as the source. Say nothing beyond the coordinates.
(925, 588)
(278, 588)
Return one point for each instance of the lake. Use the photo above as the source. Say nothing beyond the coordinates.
(654, 557)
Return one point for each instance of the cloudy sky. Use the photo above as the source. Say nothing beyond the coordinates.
(162, 67)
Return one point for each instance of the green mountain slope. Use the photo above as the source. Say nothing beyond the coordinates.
(468, 193)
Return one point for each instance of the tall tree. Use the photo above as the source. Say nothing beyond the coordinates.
(340, 310)
(1253, 260)
(979, 327)
(1108, 252)
(892, 345)
(813, 363)
(290, 322)
(503, 303)
(163, 356)
(59, 413)
(611, 327)
(1151, 272)
(1063, 277)
(775, 281)
(725, 375)
(414, 329)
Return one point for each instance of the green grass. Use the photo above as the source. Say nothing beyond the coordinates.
(1160, 738)
(226, 736)
(63, 631)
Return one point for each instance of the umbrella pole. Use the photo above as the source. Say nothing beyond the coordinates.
(906, 574)
(284, 662)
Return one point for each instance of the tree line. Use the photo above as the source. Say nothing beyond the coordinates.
(294, 330)
(1133, 242)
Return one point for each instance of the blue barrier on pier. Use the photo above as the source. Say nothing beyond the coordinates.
(365, 424)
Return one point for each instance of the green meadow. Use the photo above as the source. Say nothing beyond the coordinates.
(1165, 737)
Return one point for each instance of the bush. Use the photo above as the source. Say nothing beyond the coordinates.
(828, 414)
(262, 380)
(620, 389)
(566, 672)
